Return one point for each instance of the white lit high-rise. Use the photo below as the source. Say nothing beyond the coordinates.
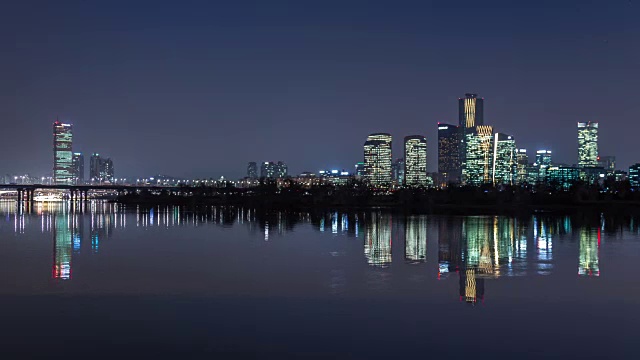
(477, 168)
(587, 144)
(378, 159)
(504, 159)
(415, 160)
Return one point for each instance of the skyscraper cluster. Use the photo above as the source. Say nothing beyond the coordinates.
(68, 166)
(474, 153)
(268, 170)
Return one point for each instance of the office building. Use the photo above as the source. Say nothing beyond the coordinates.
(272, 170)
(78, 168)
(449, 143)
(608, 163)
(543, 161)
(478, 166)
(562, 177)
(360, 169)
(415, 160)
(63, 172)
(252, 170)
(523, 164)
(470, 111)
(95, 163)
(101, 170)
(106, 171)
(634, 175)
(587, 144)
(378, 159)
(505, 164)
(397, 172)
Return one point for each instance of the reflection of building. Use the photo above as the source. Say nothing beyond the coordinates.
(377, 159)
(415, 160)
(587, 144)
(543, 245)
(449, 144)
(377, 242)
(62, 154)
(449, 244)
(62, 247)
(477, 167)
(471, 286)
(102, 226)
(589, 257)
(415, 237)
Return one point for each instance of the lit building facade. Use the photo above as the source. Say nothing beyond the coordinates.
(359, 169)
(378, 159)
(478, 166)
(449, 143)
(63, 171)
(634, 175)
(562, 176)
(101, 170)
(252, 170)
(505, 164)
(587, 144)
(272, 170)
(543, 162)
(470, 111)
(415, 160)
(523, 163)
(78, 168)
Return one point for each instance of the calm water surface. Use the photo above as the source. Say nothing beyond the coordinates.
(102, 280)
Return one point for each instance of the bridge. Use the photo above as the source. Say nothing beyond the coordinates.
(79, 192)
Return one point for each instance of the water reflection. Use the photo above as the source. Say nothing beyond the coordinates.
(473, 250)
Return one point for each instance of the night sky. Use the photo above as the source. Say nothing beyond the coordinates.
(199, 88)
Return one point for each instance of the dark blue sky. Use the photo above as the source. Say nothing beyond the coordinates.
(198, 88)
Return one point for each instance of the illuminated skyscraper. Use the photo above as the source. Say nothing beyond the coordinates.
(587, 144)
(415, 160)
(252, 170)
(62, 154)
(449, 143)
(504, 159)
(478, 165)
(78, 168)
(107, 171)
(523, 164)
(377, 159)
(360, 172)
(470, 111)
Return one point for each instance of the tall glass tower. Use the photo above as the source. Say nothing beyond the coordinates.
(63, 169)
(415, 160)
(587, 144)
(478, 166)
(377, 159)
(505, 163)
(449, 142)
(470, 111)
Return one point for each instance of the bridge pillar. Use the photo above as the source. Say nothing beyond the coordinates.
(86, 195)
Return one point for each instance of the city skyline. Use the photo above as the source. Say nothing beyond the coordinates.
(211, 83)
